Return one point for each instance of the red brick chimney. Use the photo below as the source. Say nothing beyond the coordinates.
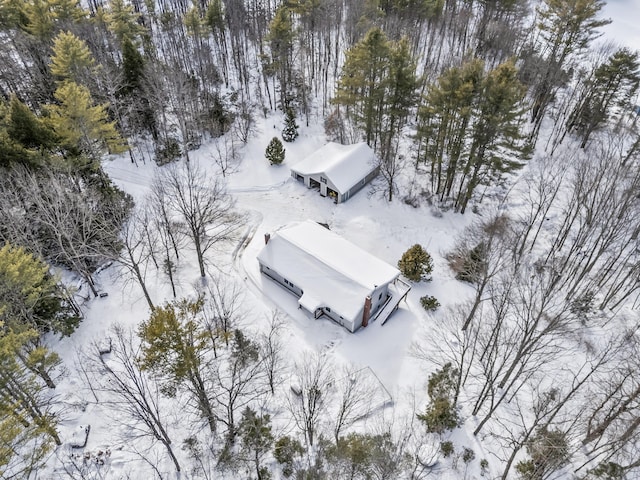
(267, 236)
(366, 312)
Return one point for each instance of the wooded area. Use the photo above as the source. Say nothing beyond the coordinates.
(458, 96)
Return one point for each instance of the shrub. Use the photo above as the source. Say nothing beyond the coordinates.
(484, 467)
(608, 471)
(168, 151)
(217, 119)
(429, 303)
(441, 415)
(468, 455)
(275, 151)
(582, 306)
(548, 451)
(473, 264)
(416, 264)
(446, 448)
(285, 452)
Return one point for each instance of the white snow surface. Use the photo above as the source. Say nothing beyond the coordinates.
(343, 165)
(331, 270)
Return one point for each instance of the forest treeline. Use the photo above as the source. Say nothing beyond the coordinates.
(456, 95)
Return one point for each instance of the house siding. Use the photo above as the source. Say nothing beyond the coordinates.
(342, 196)
(361, 184)
(289, 285)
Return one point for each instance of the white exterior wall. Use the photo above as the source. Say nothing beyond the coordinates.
(323, 185)
(342, 196)
(378, 297)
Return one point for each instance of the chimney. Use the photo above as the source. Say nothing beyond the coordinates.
(366, 312)
(266, 238)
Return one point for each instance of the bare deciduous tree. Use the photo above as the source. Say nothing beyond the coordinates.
(222, 312)
(138, 242)
(128, 390)
(225, 154)
(202, 204)
(271, 350)
(68, 221)
(168, 232)
(309, 398)
(355, 394)
(238, 381)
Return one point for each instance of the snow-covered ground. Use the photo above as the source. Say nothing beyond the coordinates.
(272, 198)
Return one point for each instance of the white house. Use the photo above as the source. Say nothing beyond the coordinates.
(330, 275)
(337, 171)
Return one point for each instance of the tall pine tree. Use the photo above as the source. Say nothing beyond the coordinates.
(84, 128)
(567, 27)
(611, 90)
(71, 59)
(363, 81)
(470, 128)
(280, 38)
(175, 344)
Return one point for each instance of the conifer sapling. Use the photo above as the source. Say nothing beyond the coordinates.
(275, 151)
(290, 131)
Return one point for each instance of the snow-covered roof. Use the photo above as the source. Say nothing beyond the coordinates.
(331, 271)
(344, 165)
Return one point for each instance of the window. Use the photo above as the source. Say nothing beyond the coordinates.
(323, 180)
(328, 310)
(380, 296)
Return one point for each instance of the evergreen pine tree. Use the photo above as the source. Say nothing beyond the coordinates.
(39, 19)
(441, 413)
(612, 88)
(275, 151)
(24, 138)
(132, 67)
(290, 131)
(281, 35)
(362, 85)
(214, 16)
(497, 145)
(400, 95)
(257, 438)
(24, 399)
(71, 59)
(416, 264)
(174, 344)
(26, 128)
(567, 27)
(470, 128)
(444, 120)
(122, 21)
(82, 127)
(29, 296)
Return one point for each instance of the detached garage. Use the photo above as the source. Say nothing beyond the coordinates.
(337, 171)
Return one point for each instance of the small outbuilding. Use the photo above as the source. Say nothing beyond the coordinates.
(331, 276)
(336, 170)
